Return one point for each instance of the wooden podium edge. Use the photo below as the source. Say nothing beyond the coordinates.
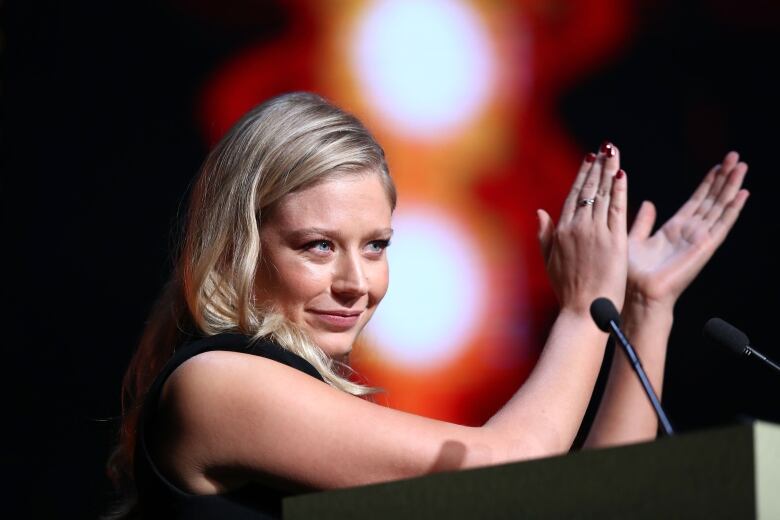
(746, 456)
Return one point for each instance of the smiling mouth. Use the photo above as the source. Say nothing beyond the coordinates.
(337, 320)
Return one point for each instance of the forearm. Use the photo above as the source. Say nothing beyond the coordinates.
(625, 415)
(549, 407)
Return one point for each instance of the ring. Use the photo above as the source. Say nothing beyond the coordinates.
(587, 202)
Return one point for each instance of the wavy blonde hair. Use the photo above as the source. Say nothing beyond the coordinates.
(288, 143)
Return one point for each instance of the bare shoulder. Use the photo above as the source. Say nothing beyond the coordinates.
(222, 382)
(212, 408)
(255, 418)
(210, 374)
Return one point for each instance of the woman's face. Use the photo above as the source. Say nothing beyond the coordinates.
(324, 260)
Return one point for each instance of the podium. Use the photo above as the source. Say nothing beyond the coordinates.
(731, 472)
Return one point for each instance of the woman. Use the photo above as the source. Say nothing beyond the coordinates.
(239, 393)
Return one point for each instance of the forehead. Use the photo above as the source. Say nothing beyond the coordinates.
(341, 200)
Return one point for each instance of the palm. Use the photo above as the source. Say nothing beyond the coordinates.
(670, 258)
(663, 264)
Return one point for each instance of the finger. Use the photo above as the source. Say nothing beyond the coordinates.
(693, 203)
(618, 201)
(611, 157)
(717, 183)
(570, 204)
(545, 233)
(733, 183)
(589, 189)
(644, 221)
(723, 225)
(610, 169)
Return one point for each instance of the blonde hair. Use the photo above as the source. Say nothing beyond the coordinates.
(288, 143)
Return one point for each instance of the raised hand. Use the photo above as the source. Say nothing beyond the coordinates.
(586, 253)
(662, 264)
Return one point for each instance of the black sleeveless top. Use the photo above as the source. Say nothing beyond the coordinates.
(157, 496)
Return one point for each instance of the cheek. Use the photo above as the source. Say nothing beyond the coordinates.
(380, 280)
(297, 282)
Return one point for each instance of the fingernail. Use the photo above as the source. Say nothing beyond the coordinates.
(620, 174)
(606, 146)
(590, 157)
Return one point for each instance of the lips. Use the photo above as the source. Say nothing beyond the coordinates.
(337, 320)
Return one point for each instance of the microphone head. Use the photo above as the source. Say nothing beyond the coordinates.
(603, 311)
(719, 332)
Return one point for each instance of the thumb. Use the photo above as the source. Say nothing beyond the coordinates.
(545, 233)
(643, 222)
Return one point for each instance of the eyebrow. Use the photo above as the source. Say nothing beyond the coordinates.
(300, 234)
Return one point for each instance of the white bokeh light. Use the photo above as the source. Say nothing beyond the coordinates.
(427, 66)
(436, 297)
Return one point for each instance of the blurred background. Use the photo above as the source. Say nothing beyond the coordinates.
(485, 110)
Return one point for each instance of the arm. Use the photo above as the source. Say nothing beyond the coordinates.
(258, 418)
(661, 266)
(231, 417)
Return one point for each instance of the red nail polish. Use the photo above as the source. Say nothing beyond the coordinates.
(620, 174)
(606, 146)
(590, 157)
(611, 151)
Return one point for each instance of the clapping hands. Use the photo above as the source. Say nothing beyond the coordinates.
(585, 253)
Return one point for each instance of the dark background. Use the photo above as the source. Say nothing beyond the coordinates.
(100, 142)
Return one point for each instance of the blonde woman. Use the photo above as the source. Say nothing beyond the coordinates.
(239, 393)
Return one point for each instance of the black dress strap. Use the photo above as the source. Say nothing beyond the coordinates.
(160, 498)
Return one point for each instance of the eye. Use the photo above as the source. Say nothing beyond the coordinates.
(377, 246)
(319, 246)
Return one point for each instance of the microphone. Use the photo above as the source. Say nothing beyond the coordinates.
(607, 319)
(719, 332)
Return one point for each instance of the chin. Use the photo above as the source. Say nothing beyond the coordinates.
(337, 351)
(334, 345)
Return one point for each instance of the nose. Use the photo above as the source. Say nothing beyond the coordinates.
(349, 281)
